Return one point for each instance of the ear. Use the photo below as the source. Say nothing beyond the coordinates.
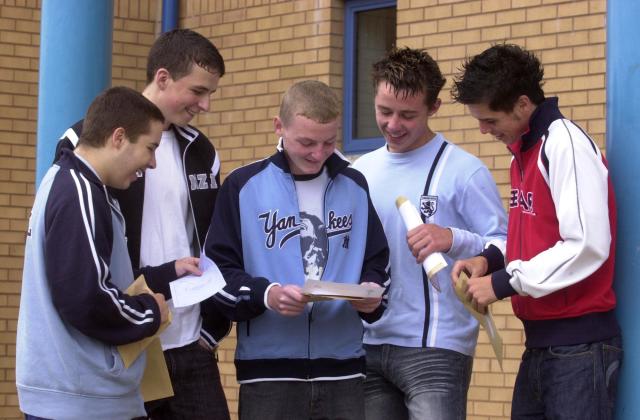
(118, 138)
(523, 107)
(162, 78)
(434, 108)
(278, 126)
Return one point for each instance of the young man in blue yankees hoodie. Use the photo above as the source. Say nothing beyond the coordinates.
(300, 214)
(73, 311)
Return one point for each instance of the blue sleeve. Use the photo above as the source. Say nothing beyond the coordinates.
(78, 241)
(483, 214)
(243, 296)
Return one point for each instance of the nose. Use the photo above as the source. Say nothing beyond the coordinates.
(393, 122)
(203, 103)
(316, 153)
(484, 127)
(152, 162)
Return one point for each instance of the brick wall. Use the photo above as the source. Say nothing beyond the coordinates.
(267, 45)
(19, 51)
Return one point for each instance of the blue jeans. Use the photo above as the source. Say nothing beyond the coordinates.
(568, 382)
(416, 383)
(294, 400)
(198, 393)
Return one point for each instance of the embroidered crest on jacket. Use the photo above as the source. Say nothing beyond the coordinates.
(428, 205)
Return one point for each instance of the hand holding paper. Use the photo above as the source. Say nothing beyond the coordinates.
(287, 300)
(485, 319)
(369, 304)
(192, 289)
(131, 351)
(156, 382)
(434, 262)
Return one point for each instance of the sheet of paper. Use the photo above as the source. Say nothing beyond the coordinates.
(325, 290)
(190, 290)
(486, 320)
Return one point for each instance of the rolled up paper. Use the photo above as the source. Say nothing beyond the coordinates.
(434, 262)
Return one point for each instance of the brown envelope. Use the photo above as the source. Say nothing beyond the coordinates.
(156, 382)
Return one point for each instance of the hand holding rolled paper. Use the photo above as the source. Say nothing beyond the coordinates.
(434, 262)
(485, 319)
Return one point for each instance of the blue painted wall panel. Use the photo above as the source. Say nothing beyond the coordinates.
(623, 152)
(75, 65)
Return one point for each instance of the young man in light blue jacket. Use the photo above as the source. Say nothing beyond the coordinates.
(419, 355)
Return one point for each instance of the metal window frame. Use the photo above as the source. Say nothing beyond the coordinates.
(351, 144)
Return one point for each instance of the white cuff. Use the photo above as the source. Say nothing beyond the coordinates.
(266, 293)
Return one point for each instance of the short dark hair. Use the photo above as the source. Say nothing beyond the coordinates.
(498, 77)
(178, 50)
(118, 107)
(410, 71)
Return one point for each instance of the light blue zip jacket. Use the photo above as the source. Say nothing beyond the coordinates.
(255, 240)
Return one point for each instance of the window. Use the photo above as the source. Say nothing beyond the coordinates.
(370, 31)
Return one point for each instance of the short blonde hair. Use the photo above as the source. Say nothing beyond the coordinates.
(311, 99)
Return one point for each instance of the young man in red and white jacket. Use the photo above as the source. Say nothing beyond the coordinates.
(558, 266)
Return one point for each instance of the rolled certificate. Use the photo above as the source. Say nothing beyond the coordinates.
(434, 262)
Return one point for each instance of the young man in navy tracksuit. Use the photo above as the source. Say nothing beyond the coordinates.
(300, 214)
(558, 265)
(73, 311)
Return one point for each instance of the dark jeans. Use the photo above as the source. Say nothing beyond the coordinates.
(568, 382)
(416, 383)
(295, 400)
(196, 385)
(30, 417)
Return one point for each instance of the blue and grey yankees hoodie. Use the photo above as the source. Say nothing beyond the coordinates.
(257, 242)
(73, 312)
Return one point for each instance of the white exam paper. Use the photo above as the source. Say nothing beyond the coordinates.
(191, 289)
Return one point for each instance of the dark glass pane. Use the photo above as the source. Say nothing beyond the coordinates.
(375, 35)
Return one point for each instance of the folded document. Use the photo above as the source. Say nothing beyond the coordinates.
(327, 290)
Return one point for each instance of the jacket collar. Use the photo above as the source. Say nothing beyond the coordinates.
(187, 132)
(544, 114)
(334, 163)
(69, 160)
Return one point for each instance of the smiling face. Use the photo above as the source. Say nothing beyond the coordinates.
(506, 127)
(182, 99)
(307, 143)
(403, 120)
(132, 159)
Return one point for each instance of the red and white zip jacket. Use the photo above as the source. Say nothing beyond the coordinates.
(561, 235)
